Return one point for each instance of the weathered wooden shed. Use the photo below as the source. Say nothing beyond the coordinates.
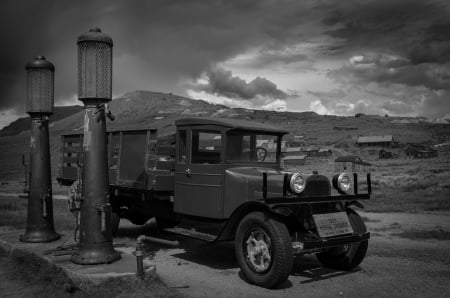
(376, 141)
(294, 160)
(351, 163)
(420, 151)
(325, 152)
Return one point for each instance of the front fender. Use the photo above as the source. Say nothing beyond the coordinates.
(229, 230)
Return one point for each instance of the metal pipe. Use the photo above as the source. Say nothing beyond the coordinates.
(174, 243)
(139, 251)
(139, 261)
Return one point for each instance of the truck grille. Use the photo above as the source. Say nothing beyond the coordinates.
(317, 186)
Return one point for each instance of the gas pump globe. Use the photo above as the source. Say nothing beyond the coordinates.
(95, 66)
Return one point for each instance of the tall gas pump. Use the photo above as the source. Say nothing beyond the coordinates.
(39, 105)
(95, 90)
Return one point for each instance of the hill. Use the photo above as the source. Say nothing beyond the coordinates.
(144, 109)
(23, 124)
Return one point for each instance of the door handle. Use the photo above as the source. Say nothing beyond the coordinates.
(188, 172)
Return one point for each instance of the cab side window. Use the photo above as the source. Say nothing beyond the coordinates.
(206, 147)
(182, 146)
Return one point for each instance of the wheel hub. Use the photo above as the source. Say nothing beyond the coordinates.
(259, 250)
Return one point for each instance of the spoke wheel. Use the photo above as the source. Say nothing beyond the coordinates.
(259, 252)
(264, 250)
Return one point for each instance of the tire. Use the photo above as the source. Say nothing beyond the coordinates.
(115, 221)
(264, 250)
(349, 256)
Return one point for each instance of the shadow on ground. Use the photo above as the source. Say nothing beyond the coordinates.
(309, 267)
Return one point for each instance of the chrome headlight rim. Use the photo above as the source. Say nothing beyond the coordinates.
(340, 184)
(293, 184)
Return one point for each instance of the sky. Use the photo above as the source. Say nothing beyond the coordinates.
(331, 57)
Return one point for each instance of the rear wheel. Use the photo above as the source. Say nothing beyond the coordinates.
(348, 256)
(264, 250)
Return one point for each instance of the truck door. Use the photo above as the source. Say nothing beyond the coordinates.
(199, 173)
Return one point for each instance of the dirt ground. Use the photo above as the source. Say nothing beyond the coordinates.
(396, 266)
(409, 256)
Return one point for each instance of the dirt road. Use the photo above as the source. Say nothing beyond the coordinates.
(395, 266)
(409, 256)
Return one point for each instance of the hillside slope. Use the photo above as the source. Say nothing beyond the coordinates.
(144, 109)
(23, 124)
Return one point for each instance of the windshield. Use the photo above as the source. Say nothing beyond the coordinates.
(251, 147)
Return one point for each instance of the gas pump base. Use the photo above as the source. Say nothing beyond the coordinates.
(101, 253)
(39, 235)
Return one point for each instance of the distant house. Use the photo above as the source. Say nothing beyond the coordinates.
(291, 151)
(351, 163)
(325, 152)
(376, 141)
(294, 160)
(311, 151)
(383, 154)
(420, 151)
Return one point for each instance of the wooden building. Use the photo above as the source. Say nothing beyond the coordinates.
(294, 160)
(420, 151)
(387, 141)
(351, 163)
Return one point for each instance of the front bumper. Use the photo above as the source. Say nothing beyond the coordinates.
(316, 200)
(335, 241)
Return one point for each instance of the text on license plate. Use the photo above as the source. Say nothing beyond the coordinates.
(332, 224)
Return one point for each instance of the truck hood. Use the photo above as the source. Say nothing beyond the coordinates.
(251, 179)
(244, 184)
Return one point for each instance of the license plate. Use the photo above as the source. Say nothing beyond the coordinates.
(332, 224)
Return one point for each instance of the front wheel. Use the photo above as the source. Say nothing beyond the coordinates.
(264, 250)
(348, 256)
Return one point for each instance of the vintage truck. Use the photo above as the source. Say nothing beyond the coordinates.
(215, 180)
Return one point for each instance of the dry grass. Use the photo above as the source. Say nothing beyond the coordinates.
(436, 234)
(398, 185)
(13, 212)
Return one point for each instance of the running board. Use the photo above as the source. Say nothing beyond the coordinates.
(192, 234)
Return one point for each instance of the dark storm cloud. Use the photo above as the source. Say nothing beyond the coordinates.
(401, 26)
(156, 43)
(392, 70)
(393, 44)
(160, 44)
(222, 82)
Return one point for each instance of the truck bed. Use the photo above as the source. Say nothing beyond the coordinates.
(137, 159)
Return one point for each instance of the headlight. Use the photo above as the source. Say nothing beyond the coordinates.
(297, 183)
(342, 182)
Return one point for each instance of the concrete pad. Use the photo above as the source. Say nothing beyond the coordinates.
(83, 276)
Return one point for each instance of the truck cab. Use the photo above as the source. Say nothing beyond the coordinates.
(221, 180)
(213, 158)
